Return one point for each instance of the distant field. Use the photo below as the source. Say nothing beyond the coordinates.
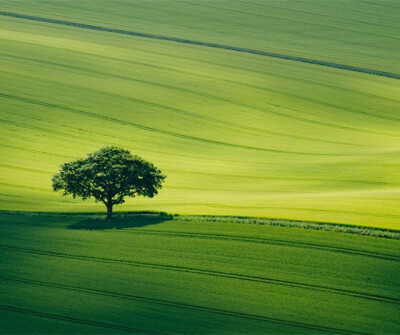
(236, 133)
(70, 274)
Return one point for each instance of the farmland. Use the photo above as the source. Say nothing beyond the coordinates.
(236, 133)
(277, 124)
(74, 273)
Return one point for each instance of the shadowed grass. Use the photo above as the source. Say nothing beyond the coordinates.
(159, 275)
(132, 221)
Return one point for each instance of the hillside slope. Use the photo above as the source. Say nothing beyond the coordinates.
(73, 274)
(236, 133)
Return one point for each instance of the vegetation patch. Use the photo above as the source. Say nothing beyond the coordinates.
(155, 274)
(236, 132)
(369, 231)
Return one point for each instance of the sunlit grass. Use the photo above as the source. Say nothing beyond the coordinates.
(236, 134)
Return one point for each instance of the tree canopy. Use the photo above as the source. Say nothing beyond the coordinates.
(109, 175)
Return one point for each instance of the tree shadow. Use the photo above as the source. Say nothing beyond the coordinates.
(131, 221)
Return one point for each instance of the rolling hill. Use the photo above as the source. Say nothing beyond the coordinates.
(242, 121)
(254, 110)
(63, 274)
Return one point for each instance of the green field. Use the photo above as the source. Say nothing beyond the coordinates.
(74, 274)
(236, 133)
(268, 117)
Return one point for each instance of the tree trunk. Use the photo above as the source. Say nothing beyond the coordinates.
(109, 211)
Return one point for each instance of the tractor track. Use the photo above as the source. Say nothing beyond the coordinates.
(177, 305)
(205, 44)
(74, 320)
(165, 132)
(213, 273)
(238, 238)
(202, 94)
(295, 244)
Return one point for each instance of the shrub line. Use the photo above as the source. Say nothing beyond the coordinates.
(262, 221)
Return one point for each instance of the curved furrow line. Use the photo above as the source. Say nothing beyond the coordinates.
(184, 112)
(50, 131)
(269, 73)
(147, 150)
(127, 123)
(256, 71)
(294, 96)
(16, 201)
(35, 202)
(213, 273)
(74, 157)
(207, 44)
(246, 239)
(74, 136)
(238, 27)
(175, 110)
(379, 3)
(36, 151)
(25, 169)
(224, 122)
(286, 18)
(347, 109)
(261, 36)
(42, 189)
(374, 24)
(220, 175)
(219, 121)
(291, 95)
(30, 138)
(258, 240)
(298, 118)
(228, 123)
(175, 304)
(314, 82)
(74, 320)
(165, 132)
(9, 195)
(269, 111)
(318, 102)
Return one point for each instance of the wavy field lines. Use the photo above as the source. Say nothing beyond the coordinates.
(211, 273)
(159, 275)
(225, 97)
(207, 44)
(158, 302)
(278, 127)
(73, 320)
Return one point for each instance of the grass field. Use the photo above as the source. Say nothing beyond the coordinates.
(78, 274)
(236, 133)
(254, 110)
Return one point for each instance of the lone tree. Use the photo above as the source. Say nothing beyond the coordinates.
(108, 175)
